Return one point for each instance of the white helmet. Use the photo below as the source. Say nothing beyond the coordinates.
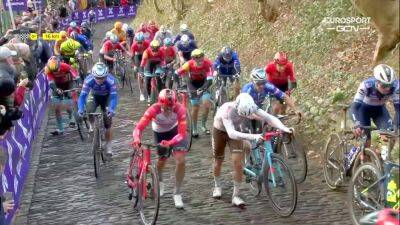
(185, 39)
(114, 38)
(108, 34)
(184, 27)
(125, 27)
(163, 29)
(384, 74)
(245, 105)
(258, 75)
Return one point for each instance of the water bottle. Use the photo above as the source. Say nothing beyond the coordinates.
(384, 152)
(349, 157)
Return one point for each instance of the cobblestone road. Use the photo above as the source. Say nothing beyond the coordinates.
(66, 192)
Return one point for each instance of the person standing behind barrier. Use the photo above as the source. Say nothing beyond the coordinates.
(6, 205)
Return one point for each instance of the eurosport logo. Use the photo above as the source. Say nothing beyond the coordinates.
(347, 24)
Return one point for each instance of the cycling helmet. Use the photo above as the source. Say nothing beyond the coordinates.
(118, 25)
(114, 38)
(125, 27)
(163, 29)
(70, 44)
(384, 74)
(155, 45)
(167, 97)
(184, 28)
(244, 104)
(281, 58)
(226, 53)
(140, 37)
(108, 34)
(258, 75)
(63, 35)
(185, 40)
(197, 53)
(84, 25)
(72, 24)
(53, 64)
(168, 42)
(74, 35)
(100, 70)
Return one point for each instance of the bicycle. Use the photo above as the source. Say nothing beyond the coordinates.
(222, 92)
(98, 150)
(155, 82)
(170, 78)
(120, 70)
(338, 146)
(368, 187)
(144, 187)
(85, 62)
(263, 166)
(183, 97)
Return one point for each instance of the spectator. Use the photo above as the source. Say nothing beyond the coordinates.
(6, 37)
(6, 205)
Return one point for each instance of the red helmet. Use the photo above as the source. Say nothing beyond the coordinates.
(167, 97)
(281, 58)
(388, 216)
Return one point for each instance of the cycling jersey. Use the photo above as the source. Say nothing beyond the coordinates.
(269, 89)
(70, 30)
(197, 73)
(227, 68)
(63, 77)
(69, 47)
(108, 48)
(277, 78)
(139, 49)
(153, 57)
(161, 37)
(87, 32)
(170, 53)
(120, 34)
(162, 123)
(228, 120)
(85, 42)
(369, 104)
(186, 50)
(179, 36)
(107, 88)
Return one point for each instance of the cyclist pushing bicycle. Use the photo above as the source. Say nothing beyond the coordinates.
(168, 119)
(228, 120)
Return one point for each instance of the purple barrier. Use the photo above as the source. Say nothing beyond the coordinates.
(102, 14)
(18, 142)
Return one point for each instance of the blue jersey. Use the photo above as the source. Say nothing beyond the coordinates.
(85, 42)
(227, 68)
(87, 32)
(269, 89)
(178, 37)
(107, 88)
(186, 50)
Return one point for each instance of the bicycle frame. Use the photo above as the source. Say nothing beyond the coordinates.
(142, 167)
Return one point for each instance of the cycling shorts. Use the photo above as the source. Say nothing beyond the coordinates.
(163, 152)
(95, 101)
(379, 114)
(219, 141)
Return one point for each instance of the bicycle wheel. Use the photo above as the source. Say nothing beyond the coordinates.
(282, 193)
(96, 145)
(149, 196)
(79, 126)
(333, 161)
(129, 82)
(295, 156)
(365, 193)
(134, 173)
(154, 91)
(189, 129)
(368, 156)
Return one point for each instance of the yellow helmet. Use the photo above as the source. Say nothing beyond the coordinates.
(197, 53)
(118, 25)
(154, 44)
(63, 34)
(53, 64)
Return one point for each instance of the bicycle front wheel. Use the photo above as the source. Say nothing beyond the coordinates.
(365, 193)
(149, 196)
(280, 186)
(333, 161)
(367, 156)
(96, 145)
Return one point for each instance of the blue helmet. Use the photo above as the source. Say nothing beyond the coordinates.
(140, 37)
(168, 42)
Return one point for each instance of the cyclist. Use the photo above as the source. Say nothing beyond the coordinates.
(227, 122)
(153, 62)
(108, 49)
(200, 77)
(121, 34)
(162, 34)
(73, 27)
(86, 44)
(86, 30)
(372, 95)
(227, 65)
(143, 28)
(280, 73)
(184, 31)
(130, 33)
(68, 51)
(152, 28)
(185, 47)
(168, 119)
(103, 88)
(170, 59)
(107, 37)
(92, 17)
(61, 76)
(137, 49)
(57, 45)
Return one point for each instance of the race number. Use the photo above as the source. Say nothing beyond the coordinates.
(51, 36)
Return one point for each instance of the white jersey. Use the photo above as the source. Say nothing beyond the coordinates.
(368, 94)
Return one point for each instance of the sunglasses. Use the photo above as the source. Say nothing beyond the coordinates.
(260, 83)
(386, 86)
(99, 78)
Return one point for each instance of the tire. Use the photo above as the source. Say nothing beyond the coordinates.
(368, 173)
(371, 157)
(96, 145)
(294, 155)
(282, 171)
(154, 91)
(146, 217)
(333, 157)
(79, 125)
(135, 173)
